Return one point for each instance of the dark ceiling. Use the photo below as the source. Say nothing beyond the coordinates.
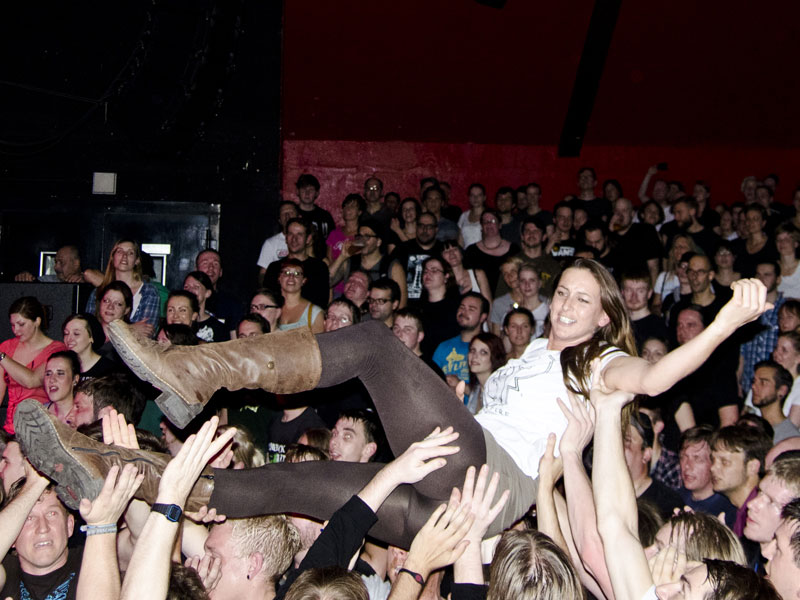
(198, 88)
(678, 73)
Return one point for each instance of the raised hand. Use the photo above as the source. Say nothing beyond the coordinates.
(209, 569)
(478, 494)
(749, 301)
(182, 471)
(118, 432)
(108, 507)
(580, 424)
(550, 468)
(424, 457)
(441, 541)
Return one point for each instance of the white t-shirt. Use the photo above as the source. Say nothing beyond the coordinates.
(273, 249)
(471, 232)
(519, 403)
(665, 284)
(790, 284)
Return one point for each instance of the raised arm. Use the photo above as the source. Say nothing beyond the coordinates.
(646, 183)
(615, 500)
(99, 575)
(582, 519)
(149, 569)
(637, 376)
(29, 378)
(13, 516)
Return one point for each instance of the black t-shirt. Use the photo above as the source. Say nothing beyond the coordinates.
(439, 321)
(632, 250)
(709, 388)
(647, 327)
(411, 255)
(596, 208)
(226, 307)
(212, 330)
(317, 286)
(664, 498)
(746, 263)
(104, 366)
(281, 434)
(254, 410)
(475, 258)
(61, 583)
(321, 219)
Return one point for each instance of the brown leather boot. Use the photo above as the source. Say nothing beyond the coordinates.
(79, 464)
(284, 362)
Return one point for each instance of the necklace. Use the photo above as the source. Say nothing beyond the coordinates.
(495, 247)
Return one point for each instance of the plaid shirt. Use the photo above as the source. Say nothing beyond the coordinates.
(668, 469)
(760, 345)
(149, 308)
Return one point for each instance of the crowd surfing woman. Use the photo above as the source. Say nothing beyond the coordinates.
(23, 358)
(590, 340)
(125, 264)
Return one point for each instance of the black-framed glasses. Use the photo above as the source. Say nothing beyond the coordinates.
(257, 307)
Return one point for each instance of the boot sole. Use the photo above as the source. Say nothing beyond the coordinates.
(176, 408)
(40, 443)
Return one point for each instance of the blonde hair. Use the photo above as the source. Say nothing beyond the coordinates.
(705, 537)
(272, 536)
(528, 565)
(111, 273)
(328, 583)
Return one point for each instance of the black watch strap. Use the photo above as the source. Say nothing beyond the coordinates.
(173, 512)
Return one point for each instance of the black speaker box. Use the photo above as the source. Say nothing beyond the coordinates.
(59, 300)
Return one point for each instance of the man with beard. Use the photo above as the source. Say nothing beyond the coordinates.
(771, 384)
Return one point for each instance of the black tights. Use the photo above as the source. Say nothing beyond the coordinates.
(411, 401)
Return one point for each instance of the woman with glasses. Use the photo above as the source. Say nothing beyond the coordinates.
(297, 311)
(267, 304)
(125, 265)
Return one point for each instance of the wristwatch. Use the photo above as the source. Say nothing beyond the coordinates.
(173, 512)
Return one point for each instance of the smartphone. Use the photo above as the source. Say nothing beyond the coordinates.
(662, 166)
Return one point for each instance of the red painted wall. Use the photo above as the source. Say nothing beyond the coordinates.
(342, 167)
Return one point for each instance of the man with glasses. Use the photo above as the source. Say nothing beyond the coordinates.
(366, 253)
(704, 295)
(298, 241)
(384, 299)
(412, 254)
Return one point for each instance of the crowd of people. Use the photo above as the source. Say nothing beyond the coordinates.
(505, 401)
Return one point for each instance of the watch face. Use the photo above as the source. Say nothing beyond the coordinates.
(172, 512)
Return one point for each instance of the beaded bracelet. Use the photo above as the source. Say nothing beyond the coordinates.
(99, 529)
